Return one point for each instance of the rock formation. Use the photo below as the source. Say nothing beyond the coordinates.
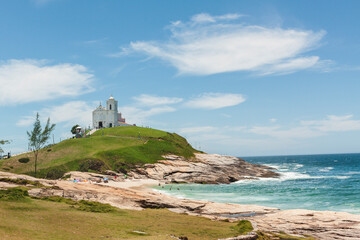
(204, 168)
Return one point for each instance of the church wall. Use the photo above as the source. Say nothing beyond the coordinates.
(107, 116)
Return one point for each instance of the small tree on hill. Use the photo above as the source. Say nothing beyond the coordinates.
(39, 137)
(73, 129)
(2, 142)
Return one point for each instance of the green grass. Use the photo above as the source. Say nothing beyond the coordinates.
(243, 227)
(13, 194)
(21, 182)
(119, 148)
(38, 219)
(131, 132)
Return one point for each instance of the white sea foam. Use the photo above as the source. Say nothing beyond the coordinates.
(342, 177)
(327, 169)
(353, 173)
(286, 176)
(299, 165)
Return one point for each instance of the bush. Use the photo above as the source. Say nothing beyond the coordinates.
(55, 173)
(243, 227)
(13, 194)
(94, 207)
(91, 164)
(21, 182)
(24, 160)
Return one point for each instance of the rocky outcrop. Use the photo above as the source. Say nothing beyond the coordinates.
(319, 224)
(204, 168)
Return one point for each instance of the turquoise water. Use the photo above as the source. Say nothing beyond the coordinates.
(315, 182)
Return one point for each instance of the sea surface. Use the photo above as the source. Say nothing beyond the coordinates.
(314, 182)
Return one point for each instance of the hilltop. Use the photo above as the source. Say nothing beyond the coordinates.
(118, 149)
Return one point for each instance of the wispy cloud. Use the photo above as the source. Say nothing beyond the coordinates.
(215, 44)
(201, 129)
(334, 123)
(310, 129)
(206, 18)
(140, 115)
(24, 81)
(70, 113)
(95, 41)
(215, 100)
(152, 100)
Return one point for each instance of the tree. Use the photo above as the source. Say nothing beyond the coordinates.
(73, 129)
(38, 137)
(2, 142)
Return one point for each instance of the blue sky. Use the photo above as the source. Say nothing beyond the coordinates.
(235, 77)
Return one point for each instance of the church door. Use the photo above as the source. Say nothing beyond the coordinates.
(110, 125)
(100, 125)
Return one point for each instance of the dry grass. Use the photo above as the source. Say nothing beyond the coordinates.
(38, 219)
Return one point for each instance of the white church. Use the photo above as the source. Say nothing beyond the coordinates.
(109, 116)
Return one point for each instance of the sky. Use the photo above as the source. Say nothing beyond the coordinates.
(243, 78)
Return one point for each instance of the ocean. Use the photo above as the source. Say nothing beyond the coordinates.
(315, 182)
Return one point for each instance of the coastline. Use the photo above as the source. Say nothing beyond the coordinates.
(136, 193)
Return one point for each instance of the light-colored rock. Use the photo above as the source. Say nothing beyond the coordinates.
(204, 168)
(320, 224)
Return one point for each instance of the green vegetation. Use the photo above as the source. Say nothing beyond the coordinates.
(118, 149)
(2, 142)
(57, 219)
(24, 160)
(73, 129)
(38, 137)
(243, 227)
(13, 194)
(21, 182)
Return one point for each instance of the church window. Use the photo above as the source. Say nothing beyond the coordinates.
(110, 106)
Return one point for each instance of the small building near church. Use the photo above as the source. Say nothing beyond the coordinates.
(108, 116)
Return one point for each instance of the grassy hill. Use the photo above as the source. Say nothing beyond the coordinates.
(117, 149)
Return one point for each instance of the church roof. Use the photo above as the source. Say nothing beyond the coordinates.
(100, 108)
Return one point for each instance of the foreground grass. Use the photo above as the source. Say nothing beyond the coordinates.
(118, 149)
(39, 219)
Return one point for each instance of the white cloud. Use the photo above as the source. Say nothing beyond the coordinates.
(277, 132)
(151, 100)
(334, 123)
(215, 100)
(139, 115)
(24, 81)
(310, 129)
(204, 17)
(209, 45)
(70, 113)
(203, 129)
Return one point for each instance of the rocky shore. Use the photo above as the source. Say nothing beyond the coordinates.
(204, 168)
(134, 194)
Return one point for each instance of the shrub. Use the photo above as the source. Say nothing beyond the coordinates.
(94, 207)
(91, 164)
(243, 227)
(55, 173)
(24, 160)
(21, 182)
(13, 194)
